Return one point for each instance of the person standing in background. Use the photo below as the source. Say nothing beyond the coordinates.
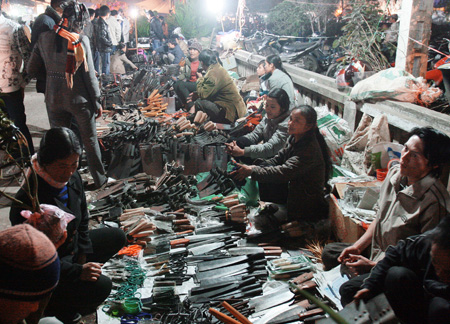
(45, 22)
(156, 31)
(15, 49)
(114, 29)
(89, 29)
(125, 27)
(103, 43)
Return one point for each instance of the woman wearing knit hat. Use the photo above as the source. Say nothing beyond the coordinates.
(187, 80)
(29, 268)
(82, 287)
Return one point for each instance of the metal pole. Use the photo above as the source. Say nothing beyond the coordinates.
(136, 35)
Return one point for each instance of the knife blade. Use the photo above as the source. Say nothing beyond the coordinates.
(209, 265)
(206, 248)
(224, 272)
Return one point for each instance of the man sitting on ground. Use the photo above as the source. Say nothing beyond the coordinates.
(415, 277)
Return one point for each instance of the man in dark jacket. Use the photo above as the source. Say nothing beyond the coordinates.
(415, 277)
(174, 52)
(156, 31)
(103, 43)
(43, 23)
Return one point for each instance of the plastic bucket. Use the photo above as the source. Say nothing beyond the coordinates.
(381, 174)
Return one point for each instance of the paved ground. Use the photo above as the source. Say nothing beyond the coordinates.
(37, 121)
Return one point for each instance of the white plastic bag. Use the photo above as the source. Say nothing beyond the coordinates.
(395, 84)
(52, 221)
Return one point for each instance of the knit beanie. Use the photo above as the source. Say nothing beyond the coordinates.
(196, 45)
(29, 264)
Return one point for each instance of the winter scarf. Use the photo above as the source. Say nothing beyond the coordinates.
(75, 52)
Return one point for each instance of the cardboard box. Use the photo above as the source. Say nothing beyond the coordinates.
(347, 229)
(339, 188)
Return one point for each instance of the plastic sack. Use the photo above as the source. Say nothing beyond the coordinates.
(382, 153)
(336, 132)
(395, 84)
(52, 221)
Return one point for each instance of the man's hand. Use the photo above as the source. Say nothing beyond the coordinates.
(233, 149)
(346, 253)
(361, 294)
(242, 172)
(91, 271)
(192, 97)
(199, 75)
(359, 264)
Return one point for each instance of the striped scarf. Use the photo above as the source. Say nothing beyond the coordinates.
(75, 52)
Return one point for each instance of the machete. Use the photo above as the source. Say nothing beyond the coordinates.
(224, 272)
(206, 248)
(214, 264)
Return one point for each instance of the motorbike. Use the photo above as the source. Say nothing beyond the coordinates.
(302, 55)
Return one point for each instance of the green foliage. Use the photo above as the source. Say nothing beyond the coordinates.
(361, 34)
(143, 26)
(193, 19)
(289, 18)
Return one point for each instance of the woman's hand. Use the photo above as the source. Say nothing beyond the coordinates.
(242, 172)
(233, 149)
(199, 75)
(91, 271)
(359, 264)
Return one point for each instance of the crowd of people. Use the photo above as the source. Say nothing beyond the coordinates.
(408, 241)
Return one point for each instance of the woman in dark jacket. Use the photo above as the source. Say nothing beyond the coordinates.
(82, 287)
(303, 164)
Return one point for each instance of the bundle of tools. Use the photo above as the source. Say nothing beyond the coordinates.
(170, 189)
(110, 202)
(217, 181)
(155, 106)
(121, 142)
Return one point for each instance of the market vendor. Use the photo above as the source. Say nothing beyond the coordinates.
(279, 78)
(217, 93)
(187, 80)
(412, 201)
(82, 287)
(303, 166)
(174, 54)
(270, 135)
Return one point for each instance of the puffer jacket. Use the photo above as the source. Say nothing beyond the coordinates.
(103, 42)
(302, 166)
(218, 87)
(412, 253)
(272, 133)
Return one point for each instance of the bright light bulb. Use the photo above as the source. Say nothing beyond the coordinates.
(214, 6)
(134, 12)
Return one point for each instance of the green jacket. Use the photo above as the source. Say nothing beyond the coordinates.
(218, 87)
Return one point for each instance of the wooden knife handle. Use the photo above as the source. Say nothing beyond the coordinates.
(179, 242)
(235, 313)
(222, 317)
